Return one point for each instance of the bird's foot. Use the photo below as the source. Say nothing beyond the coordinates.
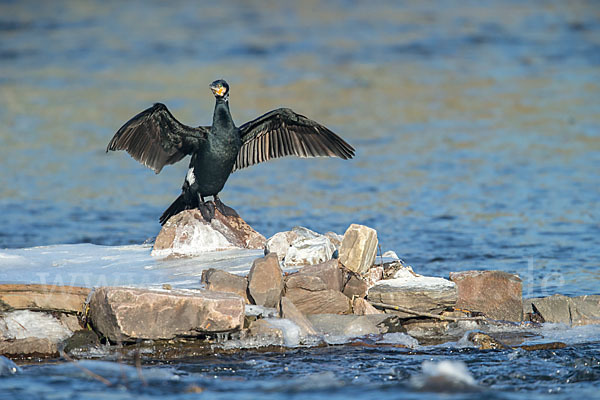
(225, 210)
(207, 209)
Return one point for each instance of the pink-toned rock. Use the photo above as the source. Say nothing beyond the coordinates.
(361, 306)
(355, 287)
(68, 299)
(124, 314)
(319, 302)
(265, 281)
(188, 233)
(218, 280)
(291, 312)
(497, 294)
(329, 273)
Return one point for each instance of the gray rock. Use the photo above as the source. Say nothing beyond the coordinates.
(554, 309)
(188, 233)
(124, 314)
(222, 281)
(585, 310)
(289, 311)
(575, 311)
(319, 302)
(261, 333)
(300, 246)
(419, 293)
(359, 248)
(265, 281)
(497, 294)
(82, 340)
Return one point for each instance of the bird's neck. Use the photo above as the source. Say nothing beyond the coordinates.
(222, 116)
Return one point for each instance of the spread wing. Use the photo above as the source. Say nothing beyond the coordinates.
(155, 138)
(281, 133)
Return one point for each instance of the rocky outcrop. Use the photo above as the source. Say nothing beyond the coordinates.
(222, 281)
(419, 293)
(300, 246)
(359, 248)
(124, 314)
(496, 294)
(265, 281)
(67, 299)
(189, 233)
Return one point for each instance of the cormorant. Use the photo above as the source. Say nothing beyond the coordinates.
(155, 138)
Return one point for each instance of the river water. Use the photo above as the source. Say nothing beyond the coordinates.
(477, 132)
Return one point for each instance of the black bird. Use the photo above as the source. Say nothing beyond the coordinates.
(155, 138)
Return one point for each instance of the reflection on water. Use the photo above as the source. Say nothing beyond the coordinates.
(475, 124)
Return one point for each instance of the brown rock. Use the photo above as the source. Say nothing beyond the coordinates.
(359, 248)
(218, 280)
(188, 233)
(29, 347)
(361, 306)
(68, 299)
(585, 310)
(497, 294)
(265, 281)
(289, 311)
(355, 287)
(124, 314)
(485, 341)
(328, 276)
(319, 302)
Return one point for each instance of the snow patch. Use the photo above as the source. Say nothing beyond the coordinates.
(25, 324)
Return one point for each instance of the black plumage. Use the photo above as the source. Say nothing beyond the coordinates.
(155, 138)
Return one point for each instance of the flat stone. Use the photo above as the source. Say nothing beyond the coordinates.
(29, 347)
(125, 314)
(222, 281)
(319, 302)
(301, 246)
(291, 312)
(188, 234)
(419, 293)
(359, 248)
(355, 287)
(585, 310)
(329, 273)
(361, 306)
(68, 299)
(265, 281)
(554, 309)
(497, 294)
(343, 325)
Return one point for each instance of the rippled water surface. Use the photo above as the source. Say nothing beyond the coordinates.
(476, 126)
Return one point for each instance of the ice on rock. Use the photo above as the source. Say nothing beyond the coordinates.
(23, 324)
(301, 246)
(291, 332)
(399, 338)
(444, 376)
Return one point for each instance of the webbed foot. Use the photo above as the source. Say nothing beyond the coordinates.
(225, 210)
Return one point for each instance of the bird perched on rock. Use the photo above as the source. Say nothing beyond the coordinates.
(155, 138)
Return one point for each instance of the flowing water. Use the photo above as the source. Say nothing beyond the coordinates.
(477, 132)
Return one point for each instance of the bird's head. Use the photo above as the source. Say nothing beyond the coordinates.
(220, 89)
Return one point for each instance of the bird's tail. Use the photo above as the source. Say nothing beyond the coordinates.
(178, 205)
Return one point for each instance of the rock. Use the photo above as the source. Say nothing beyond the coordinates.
(289, 311)
(42, 298)
(585, 310)
(300, 246)
(575, 311)
(265, 281)
(544, 346)
(359, 248)
(373, 275)
(361, 306)
(343, 325)
(31, 333)
(328, 273)
(419, 293)
(81, 340)
(485, 341)
(319, 302)
(427, 331)
(261, 333)
(497, 294)
(355, 287)
(188, 233)
(335, 239)
(218, 280)
(554, 309)
(126, 314)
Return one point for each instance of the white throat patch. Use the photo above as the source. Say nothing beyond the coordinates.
(190, 177)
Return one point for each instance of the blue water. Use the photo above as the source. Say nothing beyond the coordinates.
(475, 123)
